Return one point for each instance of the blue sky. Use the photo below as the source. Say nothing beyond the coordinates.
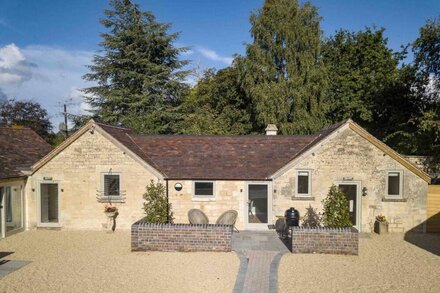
(45, 44)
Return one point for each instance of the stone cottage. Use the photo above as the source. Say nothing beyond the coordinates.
(259, 176)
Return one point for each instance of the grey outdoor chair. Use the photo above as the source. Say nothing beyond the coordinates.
(227, 218)
(196, 216)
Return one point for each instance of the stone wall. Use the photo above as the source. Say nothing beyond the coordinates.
(228, 195)
(349, 158)
(325, 240)
(78, 170)
(180, 237)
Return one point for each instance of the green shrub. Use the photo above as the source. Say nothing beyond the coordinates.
(156, 206)
(336, 213)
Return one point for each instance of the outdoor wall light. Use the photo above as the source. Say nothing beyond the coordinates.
(364, 191)
(178, 186)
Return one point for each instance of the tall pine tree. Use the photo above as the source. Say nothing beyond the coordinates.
(139, 74)
(282, 72)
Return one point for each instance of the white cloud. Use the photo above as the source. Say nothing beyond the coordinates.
(14, 68)
(48, 75)
(214, 56)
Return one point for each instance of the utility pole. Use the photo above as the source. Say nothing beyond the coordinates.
(65, 120)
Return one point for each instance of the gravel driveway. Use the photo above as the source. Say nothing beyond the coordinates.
(386, 263)
(94, 261)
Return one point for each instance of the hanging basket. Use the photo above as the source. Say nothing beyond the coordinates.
(110, 214)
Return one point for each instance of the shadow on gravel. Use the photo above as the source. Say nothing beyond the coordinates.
(427, 241)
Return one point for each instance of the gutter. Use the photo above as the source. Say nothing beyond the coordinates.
(168, 205)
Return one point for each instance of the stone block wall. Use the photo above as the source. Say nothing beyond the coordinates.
(228, 195)
(348, 155)
(78, 170)
(180, 237)
(325, 240)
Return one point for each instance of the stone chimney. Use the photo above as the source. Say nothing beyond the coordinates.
(271, 129)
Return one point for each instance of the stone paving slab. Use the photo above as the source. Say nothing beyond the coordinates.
(9, 266)
(260, 254)
(257, 240)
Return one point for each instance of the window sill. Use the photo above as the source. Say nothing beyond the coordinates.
(112, 199)
(387, 199)
(305, 198)
(203, 199)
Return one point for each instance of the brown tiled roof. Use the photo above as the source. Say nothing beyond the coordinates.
(247, 157)
(125, 136)
(20, 148)
(221, 157)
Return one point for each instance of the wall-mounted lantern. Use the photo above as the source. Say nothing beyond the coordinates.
(178, 186)
(364, 191)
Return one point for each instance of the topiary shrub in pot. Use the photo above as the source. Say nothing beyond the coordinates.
(336, 211)
(156, 205)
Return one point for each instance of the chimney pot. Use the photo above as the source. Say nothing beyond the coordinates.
(271, 129)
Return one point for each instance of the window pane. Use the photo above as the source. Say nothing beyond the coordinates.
(111, 185)
(204, 188)
(49, 202)
(303, 182)
(393, 183)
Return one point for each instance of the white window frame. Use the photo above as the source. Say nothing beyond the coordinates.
(196, 197)
(53, 224)
(309, 194)
(400, 195)
(102, 195)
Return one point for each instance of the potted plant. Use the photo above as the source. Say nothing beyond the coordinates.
(381, 225)
(110, 210)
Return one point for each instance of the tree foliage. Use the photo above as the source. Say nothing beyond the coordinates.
(139, 74)
(426, 50)
(336, 213)
(217, 105)
(156, 206)
(28, 114)
(282, 72)
(361, 69)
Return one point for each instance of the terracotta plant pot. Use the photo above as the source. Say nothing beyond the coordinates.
(381, 227)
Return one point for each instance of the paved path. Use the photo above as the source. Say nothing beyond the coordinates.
(9, 266)
(260, 254)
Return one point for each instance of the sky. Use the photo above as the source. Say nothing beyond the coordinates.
(45, 45)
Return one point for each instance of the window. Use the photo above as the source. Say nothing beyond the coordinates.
(303, 183)
(111, 185)
(203, 189)
(394, 184)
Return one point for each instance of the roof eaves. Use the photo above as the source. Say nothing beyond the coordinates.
(150, 160)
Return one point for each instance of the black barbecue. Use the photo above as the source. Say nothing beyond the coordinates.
(292, 217)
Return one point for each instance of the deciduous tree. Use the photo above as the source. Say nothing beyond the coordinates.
(282, 72)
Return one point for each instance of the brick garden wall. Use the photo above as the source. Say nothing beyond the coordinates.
(325, 240)
(180, 237)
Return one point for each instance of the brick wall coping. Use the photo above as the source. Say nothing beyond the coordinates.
(325, 229)
(180, 237)
(182, 226)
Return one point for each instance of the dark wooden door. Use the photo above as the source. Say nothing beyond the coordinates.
(350, 191)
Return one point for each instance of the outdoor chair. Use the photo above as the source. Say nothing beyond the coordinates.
(197, 217)
(228, 218)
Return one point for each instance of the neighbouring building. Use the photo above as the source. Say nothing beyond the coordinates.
(260, 176)
(20, 148)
